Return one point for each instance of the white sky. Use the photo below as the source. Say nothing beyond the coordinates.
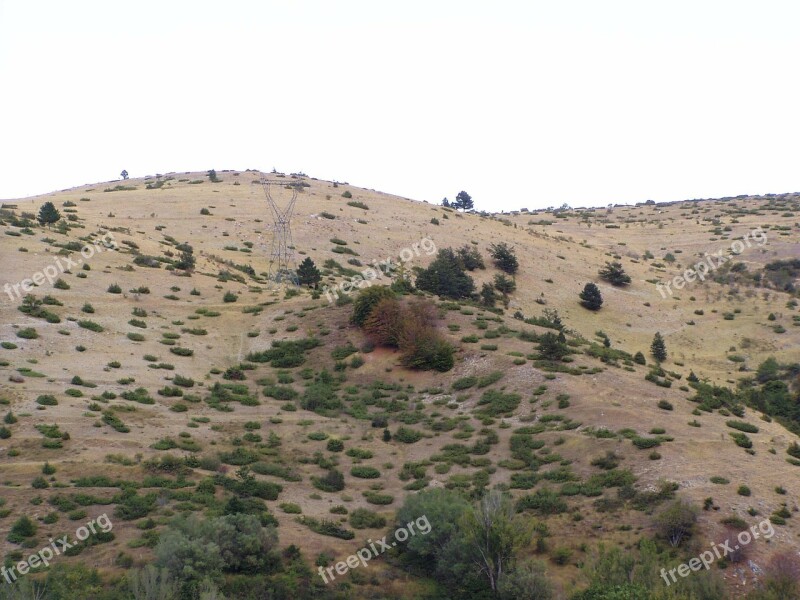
(522, 104)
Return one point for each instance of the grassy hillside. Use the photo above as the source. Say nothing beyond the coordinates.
(152, 392)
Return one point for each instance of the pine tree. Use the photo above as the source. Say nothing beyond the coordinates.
(488, 297)
(504, 257)
(446, 277)
(590, 297)
(615, 274)
(658, 348)
(463, 201)
(308, 273)
(48, 214)
(553, 346)
(504, 285)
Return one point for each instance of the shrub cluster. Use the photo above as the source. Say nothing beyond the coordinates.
(410, 327)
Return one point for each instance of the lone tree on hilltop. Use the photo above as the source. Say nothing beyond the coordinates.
(308, 273)
(48, 214)
(615, 274)
(504, 258)
(591, 297)
(463, 201)
(124, 174)
(658, 348)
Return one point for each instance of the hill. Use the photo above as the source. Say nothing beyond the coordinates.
(151, 390)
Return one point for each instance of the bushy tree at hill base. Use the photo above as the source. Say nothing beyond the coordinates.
(409, 327)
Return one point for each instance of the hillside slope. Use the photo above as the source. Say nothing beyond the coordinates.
(81, 368)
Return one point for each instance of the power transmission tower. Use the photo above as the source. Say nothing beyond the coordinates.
(282, 266)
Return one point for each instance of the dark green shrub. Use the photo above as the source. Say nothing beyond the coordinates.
(363, 472)
(362, 518)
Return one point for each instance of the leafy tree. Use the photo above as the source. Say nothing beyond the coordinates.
(423, 347)
(440, 506)
(446, 202)
(504, 258)
(493, 533)
(470, 257)
(366, 300)
(525, 582)
(488, 296)
(615, 274)
(192, 550)
(152, 583)
(308, 273)
(445, 277)
(658, 348)
(124, 174)
(769, 370)
(781, 577)
(676, 522)
(591, 297)
(48, 214)
(212, 175)
(639, 359)
(463, 201)
(385, 322)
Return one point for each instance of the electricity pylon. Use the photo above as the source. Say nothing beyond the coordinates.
(282, 263)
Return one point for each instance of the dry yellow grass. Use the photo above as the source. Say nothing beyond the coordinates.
(555, 261)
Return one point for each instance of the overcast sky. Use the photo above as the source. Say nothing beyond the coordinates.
(522, 104)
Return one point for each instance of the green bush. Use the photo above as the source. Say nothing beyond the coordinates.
(464, 383)
(47, 400)
(363, 472)
(742, 440)
(332, 481)
(359, 453)
(363, 518)
(27, 333)
(742, 426)
(335, 445)
(407, 435)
